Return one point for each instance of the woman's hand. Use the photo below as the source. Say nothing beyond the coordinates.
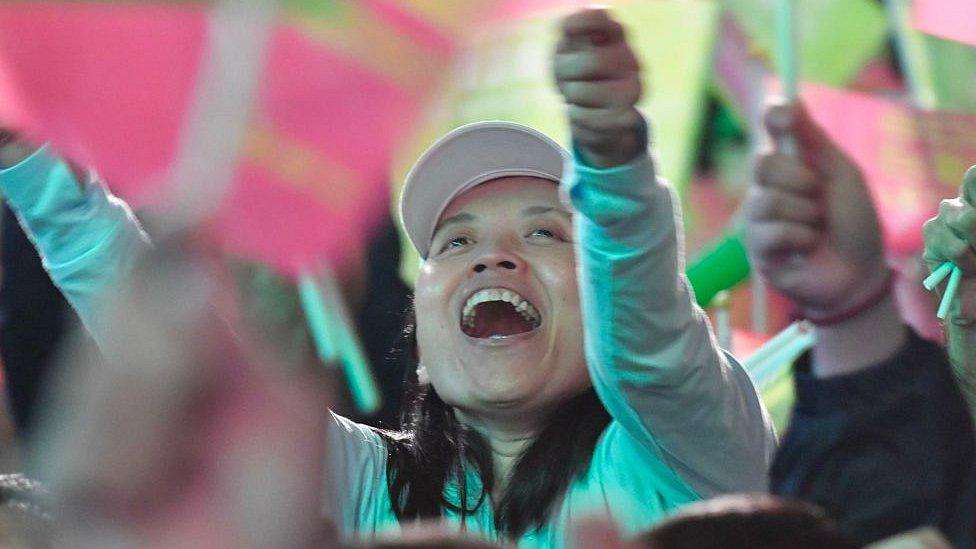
(13, 150)
(811, 227)
(599, 77)
(951, 236)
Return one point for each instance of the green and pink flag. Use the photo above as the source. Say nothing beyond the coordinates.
(911, 158)
(268, 124)
(112, 85)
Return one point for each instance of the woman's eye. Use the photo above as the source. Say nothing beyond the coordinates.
(546, 233)
(456, 242)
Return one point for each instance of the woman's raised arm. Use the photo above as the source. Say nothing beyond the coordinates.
(87, 238)
(652, 356)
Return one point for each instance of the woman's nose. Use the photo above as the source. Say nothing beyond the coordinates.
(497, 258)
(503, 264)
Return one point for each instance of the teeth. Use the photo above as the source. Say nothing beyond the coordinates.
(522, 305)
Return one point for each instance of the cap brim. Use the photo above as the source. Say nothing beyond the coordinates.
(466, 157)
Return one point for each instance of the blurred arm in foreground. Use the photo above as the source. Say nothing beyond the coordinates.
(174, 435)
(172, 431)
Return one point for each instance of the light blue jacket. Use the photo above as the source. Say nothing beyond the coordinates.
(687, 422)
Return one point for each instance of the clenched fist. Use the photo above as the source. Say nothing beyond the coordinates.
(599, 77)
(951, 236)
(811, 227)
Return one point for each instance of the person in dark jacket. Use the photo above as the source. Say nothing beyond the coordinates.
(880, 435)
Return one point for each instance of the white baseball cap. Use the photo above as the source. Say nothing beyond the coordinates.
(468, 156)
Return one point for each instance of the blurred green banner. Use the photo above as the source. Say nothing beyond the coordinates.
(835, 38)
(505, 73)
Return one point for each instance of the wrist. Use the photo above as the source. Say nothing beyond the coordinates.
(13, 151)
(617, 150)
(621, 151)
(859, 342)
(873, 293)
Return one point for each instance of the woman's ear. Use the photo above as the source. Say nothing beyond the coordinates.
(423, 377)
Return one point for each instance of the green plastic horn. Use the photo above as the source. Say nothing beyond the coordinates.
(721, 266)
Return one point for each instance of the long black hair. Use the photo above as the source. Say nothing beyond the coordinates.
(433, 449)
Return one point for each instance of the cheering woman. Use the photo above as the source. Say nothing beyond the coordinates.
(563, 367)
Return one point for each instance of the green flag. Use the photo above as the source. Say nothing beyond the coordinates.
(506, 74)
(835, 38)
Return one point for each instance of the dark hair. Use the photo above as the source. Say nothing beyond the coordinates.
(744, 521)
(433, 448)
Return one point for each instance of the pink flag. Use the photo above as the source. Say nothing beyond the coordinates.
(949, 19)
(504, 10)
(109, 84)
(314, 171)
(910, 159)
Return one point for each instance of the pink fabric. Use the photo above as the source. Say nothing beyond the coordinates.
(110, 83)
(733, 63)
(902, 153)
(106, 84)
(506, 10)
(950, 19)
(746, 342)
(417, 29)
(314, 177)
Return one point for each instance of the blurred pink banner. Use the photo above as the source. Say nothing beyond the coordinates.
(109, 84)
(950, 19)
(504, 10)
(911, 159)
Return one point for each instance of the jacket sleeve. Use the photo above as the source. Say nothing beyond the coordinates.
(87, 238)
(884, 450)
(961, 343)
(355, 494)
(652, 356)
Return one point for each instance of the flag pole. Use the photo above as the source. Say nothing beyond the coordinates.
(335, 337)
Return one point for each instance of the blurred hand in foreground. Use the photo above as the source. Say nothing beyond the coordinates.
(177, 437)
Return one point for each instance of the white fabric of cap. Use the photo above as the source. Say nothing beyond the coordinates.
(466, 157)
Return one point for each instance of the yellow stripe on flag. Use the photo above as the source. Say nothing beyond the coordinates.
(372, 43)
(294, 164)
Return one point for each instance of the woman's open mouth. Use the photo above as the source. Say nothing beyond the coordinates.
(497, 313)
